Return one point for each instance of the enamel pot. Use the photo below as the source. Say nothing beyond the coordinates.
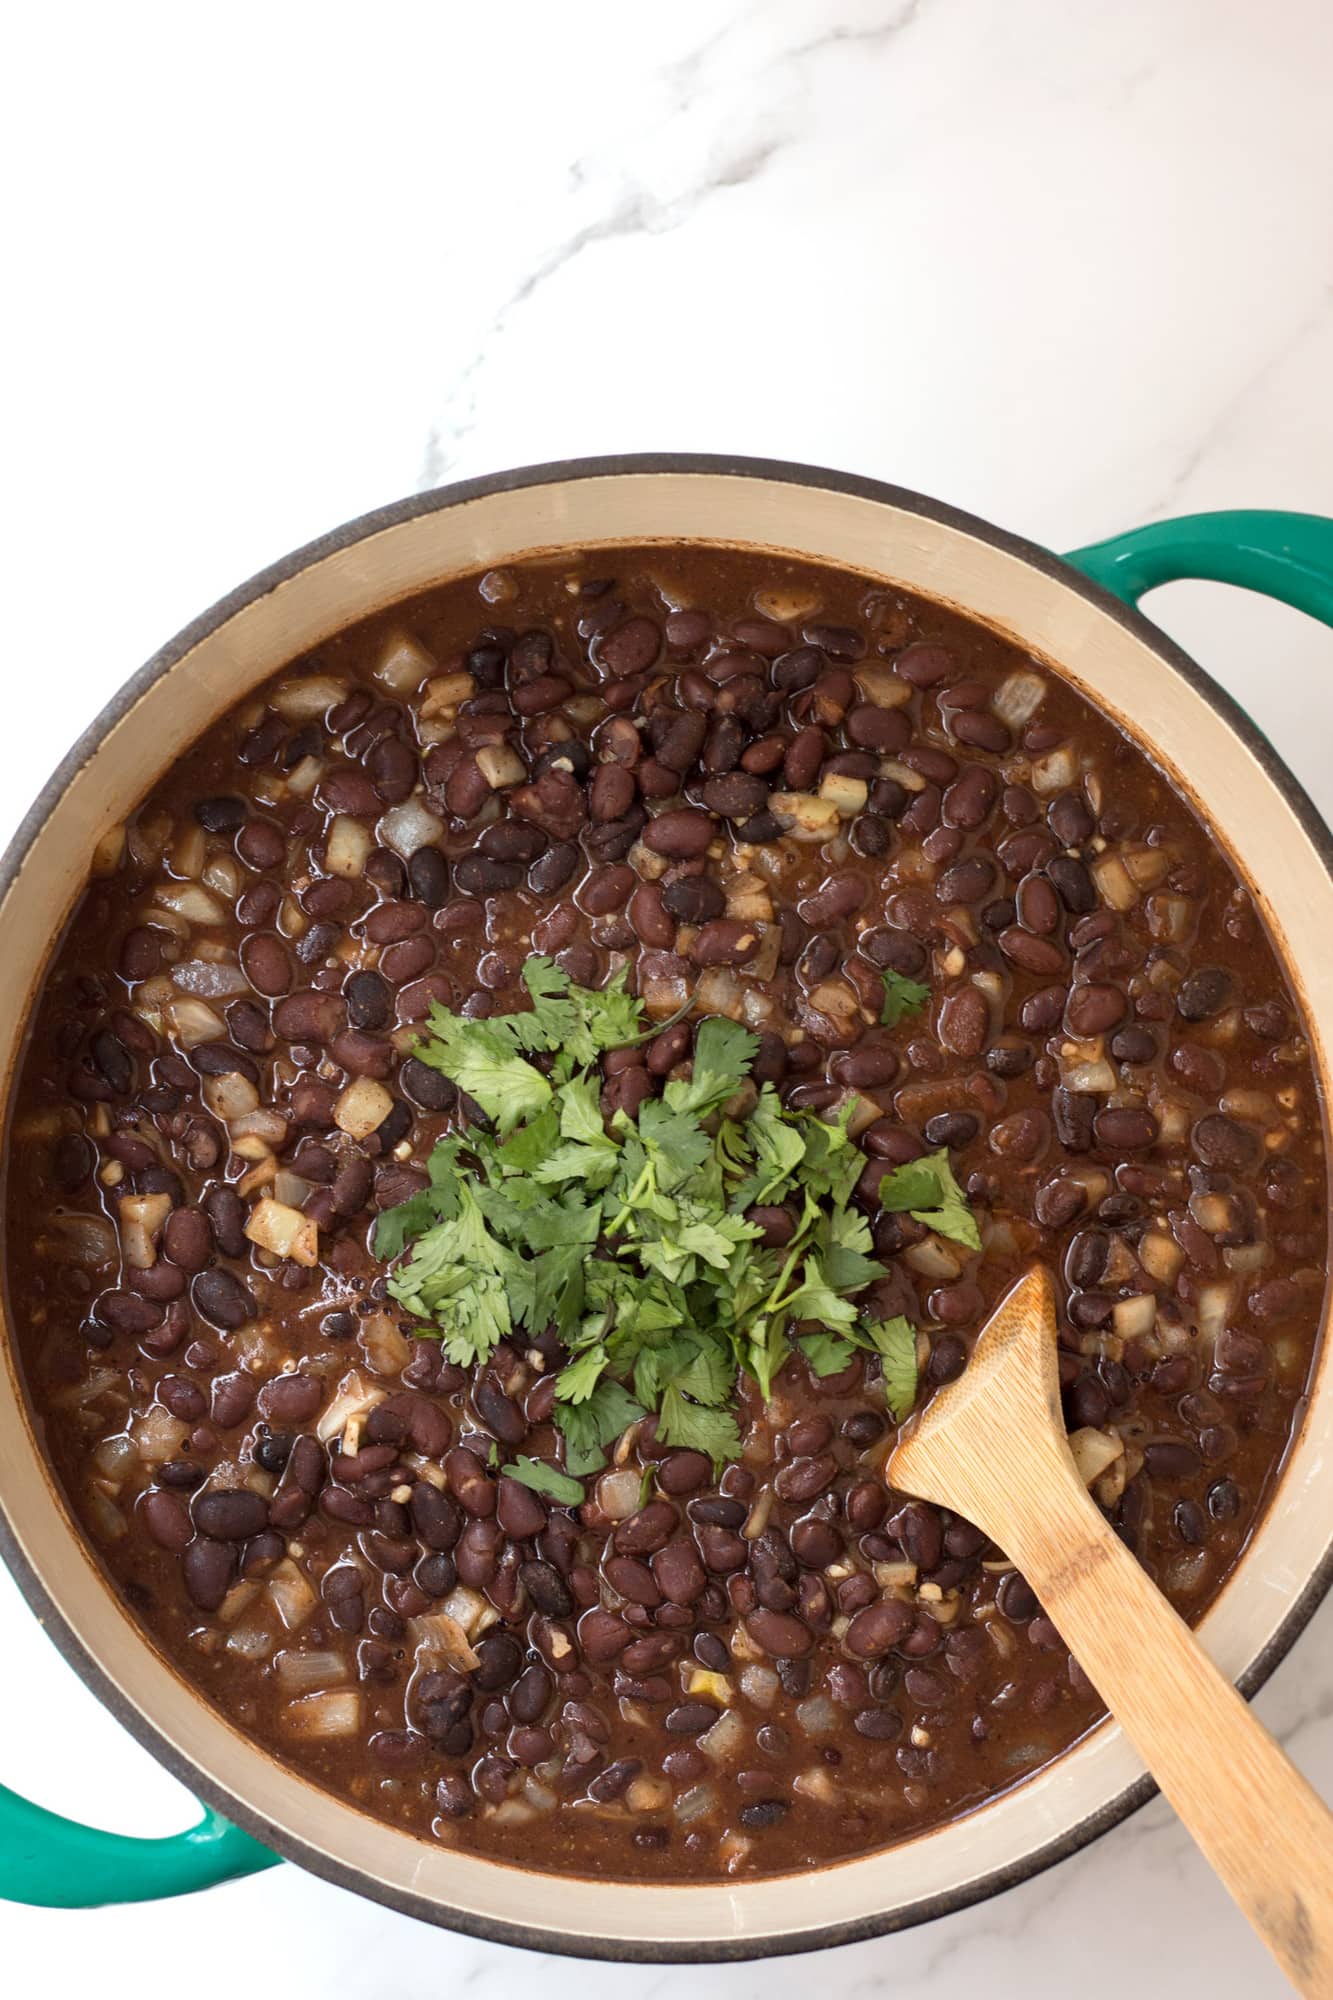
(1077, 613)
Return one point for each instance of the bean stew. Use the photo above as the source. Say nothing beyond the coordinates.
(972, 933)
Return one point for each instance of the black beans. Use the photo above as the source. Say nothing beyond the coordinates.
(1202, 994)
(876, 1630)
(602, 777)
(681, 834)
(222, 1298)
(230, 1516)
(1222, 1142)
(208, 1568)
(478, 875)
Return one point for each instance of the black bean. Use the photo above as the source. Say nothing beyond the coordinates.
(428, 877)
(222, 1299)
(1202, 994)
(208, 1568)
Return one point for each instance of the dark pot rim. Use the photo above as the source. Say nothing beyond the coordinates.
(396, 514)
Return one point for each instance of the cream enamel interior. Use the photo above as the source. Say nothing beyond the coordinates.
(940, 559)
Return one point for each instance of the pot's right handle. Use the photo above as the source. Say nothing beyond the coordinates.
(1289, 556)
(61, 1865)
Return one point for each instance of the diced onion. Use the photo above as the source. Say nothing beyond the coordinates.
(290, 1589)
(407, 827)
(1018, 697)
(307, 697)
(1247, 1257)
(816, 1715)
(804, 816)
(1056, 771)
(230, 1095)
(384, 1344)
(1114, 885)
(354, 1397)
(1134, 1317)
(882, 687)
(618, 1494)
(210, 979)
(1094, 1451)
(114, 1457)
(403, 664)
(158, 1435)
(193, 1022)
(290, 1188)
(297, 1672)
(697, 1803)
(348, 848)
(336, 1712)
(1090, 1078)
(644, 1794)
(759, 1685)
(192, 901)
(933, 1258)
(727, 1739)
(500, 765)
(284, 1231)
(104, 1517)
(362, 1108)
(142, 1217)
(1214, 1306)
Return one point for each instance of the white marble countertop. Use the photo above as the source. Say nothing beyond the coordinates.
(1068, 266)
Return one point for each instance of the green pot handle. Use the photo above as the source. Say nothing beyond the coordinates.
(58, 1864)
(1289, 556)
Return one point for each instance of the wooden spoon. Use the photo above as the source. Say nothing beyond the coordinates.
(992, 1446)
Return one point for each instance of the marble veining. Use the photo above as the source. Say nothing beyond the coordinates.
(1068, 266)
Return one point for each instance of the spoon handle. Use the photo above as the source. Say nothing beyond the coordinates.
(1262, 1827)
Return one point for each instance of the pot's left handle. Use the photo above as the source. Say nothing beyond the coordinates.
(1288, 556)
(61, 1865)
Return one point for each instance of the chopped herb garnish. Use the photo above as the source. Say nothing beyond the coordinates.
(930, 1194)
(901, 997)
(546, 1479)
(632, 1242)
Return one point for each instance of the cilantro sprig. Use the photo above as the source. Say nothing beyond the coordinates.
(902, 996)
(631, 1239)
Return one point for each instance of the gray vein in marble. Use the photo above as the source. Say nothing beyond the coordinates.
(638, 211)
(1236, 404)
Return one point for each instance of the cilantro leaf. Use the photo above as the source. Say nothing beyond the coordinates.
(930, 1194)
(895, 1340)
(723, 1052)
(589, 1427)
(826, 1352)
(457, 1277)
(395, 1226)
(901, 997)
(548, 1479)
(479, 1058)
(576, 1383)
(696, 1428)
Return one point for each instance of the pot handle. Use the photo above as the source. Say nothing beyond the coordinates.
(1289, 556)
(59, 1864)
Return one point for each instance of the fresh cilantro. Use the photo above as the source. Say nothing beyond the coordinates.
(895, 1340)
(826, 1353)
(590, 1426)
(901, 997)
(930, 1194)
(692, 1425)
(543, 1478)
(630, 1240)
